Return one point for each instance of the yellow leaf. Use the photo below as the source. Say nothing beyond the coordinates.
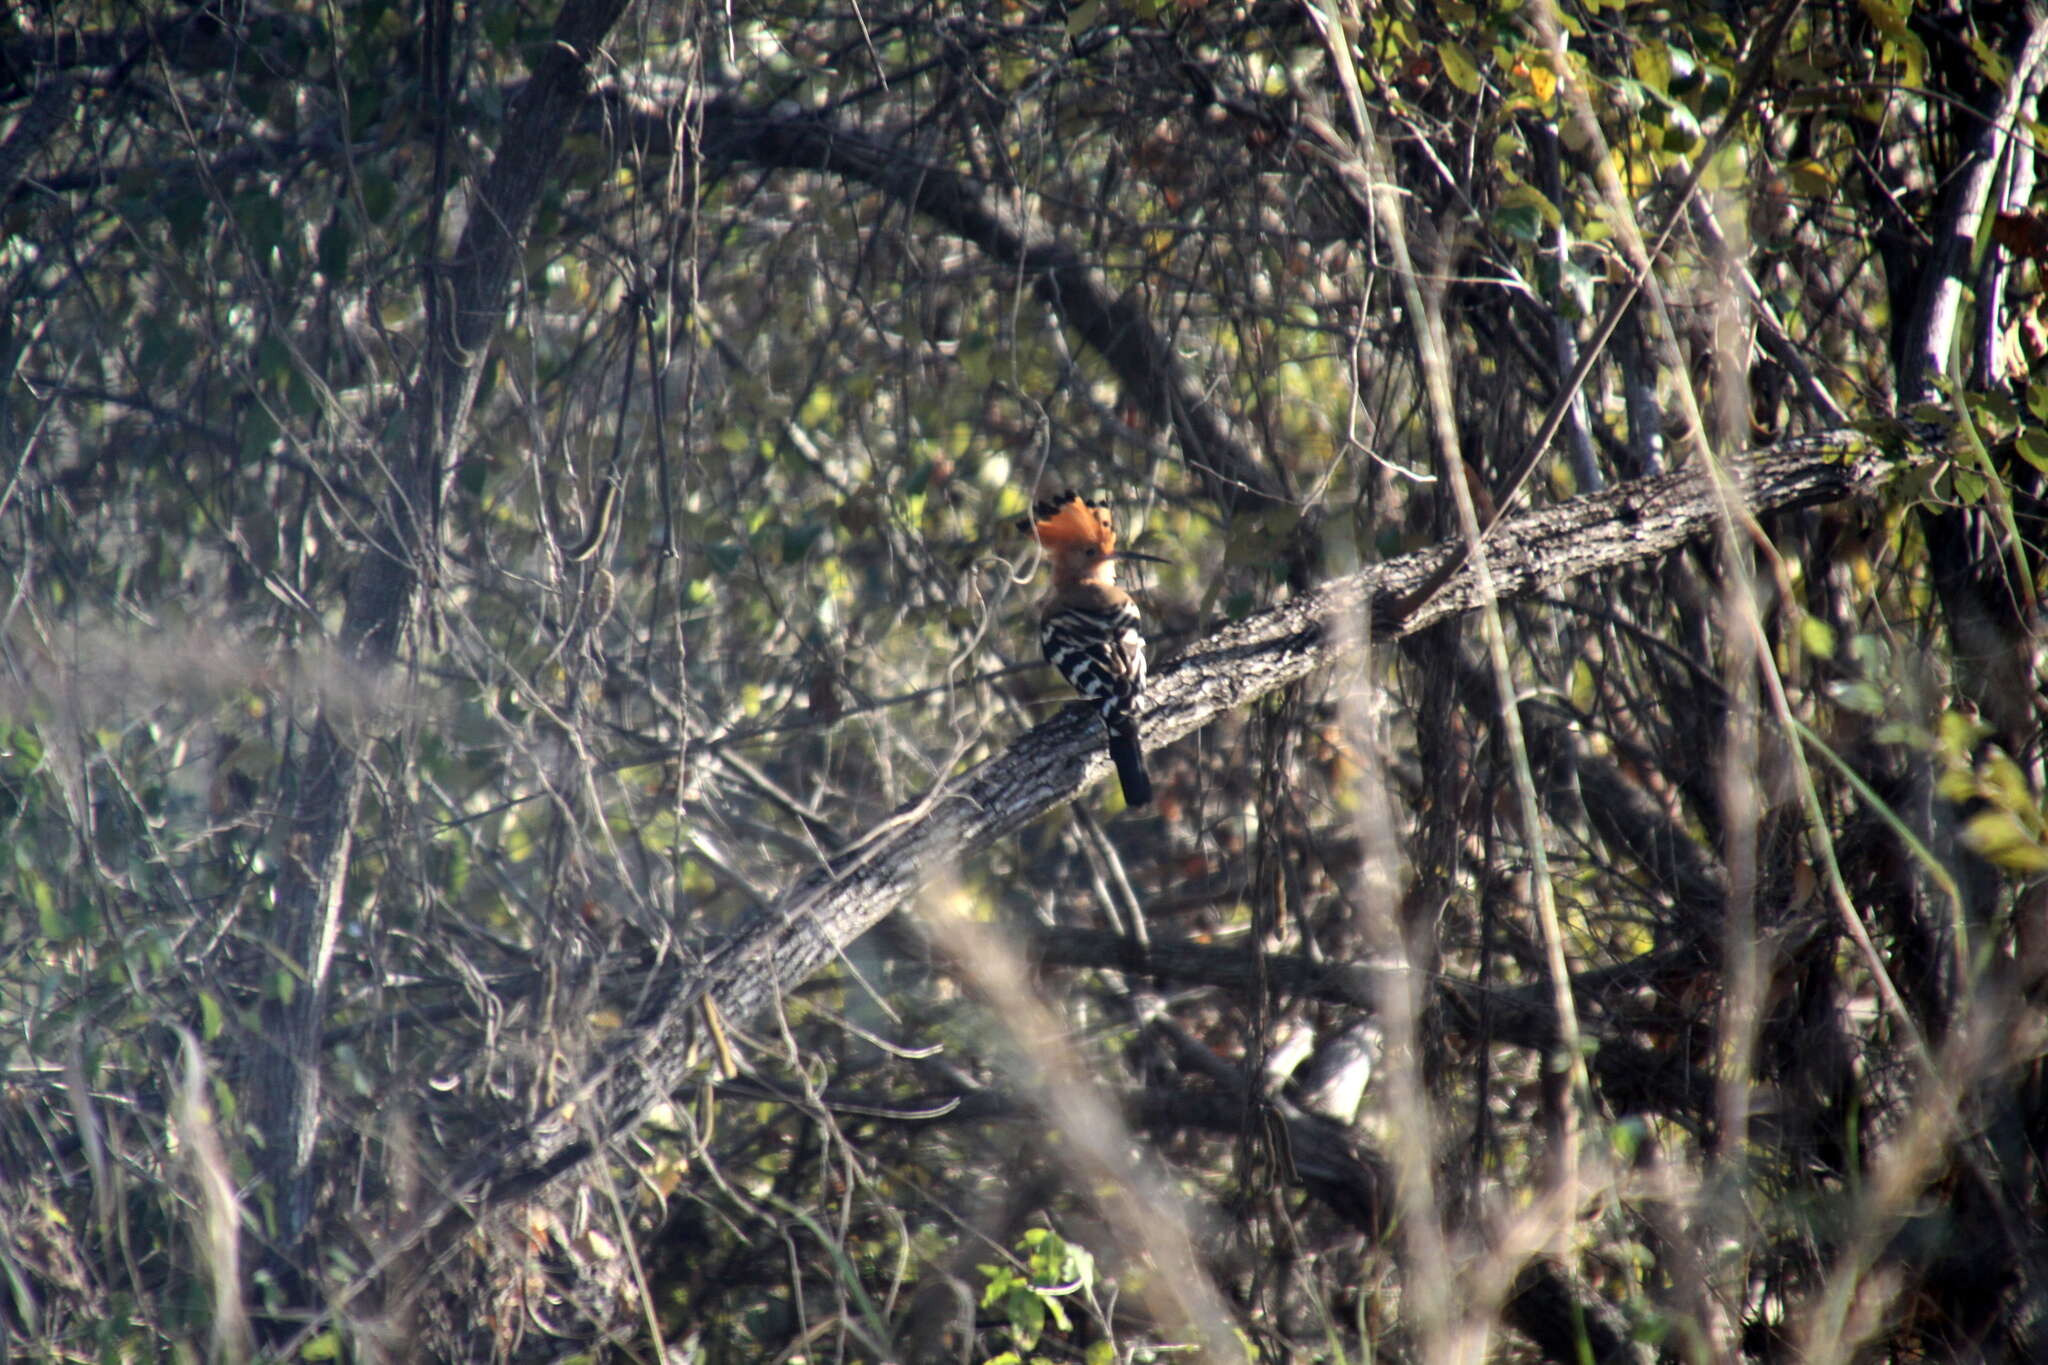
(1998, 838)
(2006, 786)
(1812, 177)
(326, 1346)
(1652, 62)
(1818, 637)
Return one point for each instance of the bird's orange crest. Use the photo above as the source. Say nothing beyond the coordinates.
(1069, 520)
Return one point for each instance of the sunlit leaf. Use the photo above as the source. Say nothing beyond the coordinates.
(1999, 838)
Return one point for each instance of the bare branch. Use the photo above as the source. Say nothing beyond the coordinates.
(383, 597)
(1004, 224)
(32, 131)
(1923, 351)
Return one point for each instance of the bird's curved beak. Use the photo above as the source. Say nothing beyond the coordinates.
(1134, 554)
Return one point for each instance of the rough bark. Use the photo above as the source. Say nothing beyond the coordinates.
(1967, 543)
(1930, 332)
(829, 908)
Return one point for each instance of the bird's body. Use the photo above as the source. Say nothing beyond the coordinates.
(1089, 629)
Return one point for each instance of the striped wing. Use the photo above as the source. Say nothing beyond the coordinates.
(1099, 649)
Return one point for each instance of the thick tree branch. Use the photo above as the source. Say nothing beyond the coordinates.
(1930, 333)
(1003, 224)
(1973, 573)
(204, 40)
(831, 907)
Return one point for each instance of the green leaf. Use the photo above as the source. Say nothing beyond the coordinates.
(1911, 54)
(258, 432)
(1525, 212)
(1459, 67)
(326, 1346)
(501, 25)
(1583, 688)
(1997, 70)
(1682, 131)
(1995, 410)
(1653, 61)
(379, 194)
(1811, 177)
(2032, 445)
(337, 239)
(798, 540)
(185, 214)
(1860, 697)
(261, 217)
(273, 359)
(1684, 71)
(48, 921)
(2005, 786)
(1958, 734)
(1025, 1312)
(1818, 637)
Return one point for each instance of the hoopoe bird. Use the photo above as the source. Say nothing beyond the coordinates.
(1088, 626)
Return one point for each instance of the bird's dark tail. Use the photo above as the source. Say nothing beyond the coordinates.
(1130, 762)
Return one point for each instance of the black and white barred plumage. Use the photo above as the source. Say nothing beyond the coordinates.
(1089, 631)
